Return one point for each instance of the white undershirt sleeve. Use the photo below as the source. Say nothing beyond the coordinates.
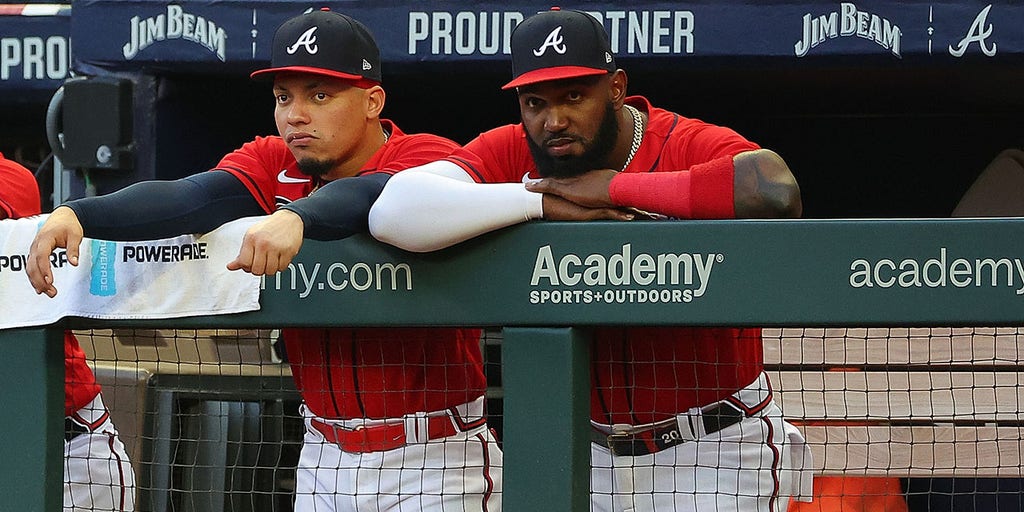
(438, 205)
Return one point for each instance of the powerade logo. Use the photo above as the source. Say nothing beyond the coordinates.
(620, 278)
(102, 282)
(940, 272)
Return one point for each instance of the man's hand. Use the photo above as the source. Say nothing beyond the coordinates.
(270, 244)
(589, 189)
(557, 208)
(61, 229)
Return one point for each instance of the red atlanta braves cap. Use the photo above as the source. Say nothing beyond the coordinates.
(327, 43)
(558, 44)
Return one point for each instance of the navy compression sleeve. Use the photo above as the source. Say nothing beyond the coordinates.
(150, 210)
(339, 208)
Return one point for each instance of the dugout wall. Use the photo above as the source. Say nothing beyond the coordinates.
(934, 420)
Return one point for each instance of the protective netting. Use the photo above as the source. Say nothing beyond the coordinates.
(896, 418)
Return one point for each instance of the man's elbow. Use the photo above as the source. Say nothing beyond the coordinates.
(385, 225)
(766, 188)
(390, 225)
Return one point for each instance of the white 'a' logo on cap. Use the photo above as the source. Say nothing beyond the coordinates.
(307, 40)
(553, 41)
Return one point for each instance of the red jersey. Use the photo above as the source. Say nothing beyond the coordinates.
(19, 197)
(385, 372)
(19, 193)
(644, 374)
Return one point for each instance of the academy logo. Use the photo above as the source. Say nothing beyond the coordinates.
(307, 40)
(175, 24)
(620, 278)
(938, 273)
(360, 276)
(553, 41)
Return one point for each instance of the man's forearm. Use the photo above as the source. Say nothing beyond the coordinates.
(339, 209)
(161, 209)
(424, 211)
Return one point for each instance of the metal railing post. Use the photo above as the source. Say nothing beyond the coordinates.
(32, 377)
(546, 379)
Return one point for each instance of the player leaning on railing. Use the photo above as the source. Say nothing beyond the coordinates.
(394, 416)
(683, 418)
(97, 473)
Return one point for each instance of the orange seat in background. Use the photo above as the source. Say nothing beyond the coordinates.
(854, 494)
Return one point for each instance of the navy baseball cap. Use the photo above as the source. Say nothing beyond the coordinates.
(326, 43)
(558, 44)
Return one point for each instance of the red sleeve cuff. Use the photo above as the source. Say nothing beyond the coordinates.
(705, 191)
(712, 186)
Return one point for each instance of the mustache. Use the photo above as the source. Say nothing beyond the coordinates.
(560, 138)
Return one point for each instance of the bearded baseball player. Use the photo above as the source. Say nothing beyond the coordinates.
(394, 416)
(97, 473)
(683, 418)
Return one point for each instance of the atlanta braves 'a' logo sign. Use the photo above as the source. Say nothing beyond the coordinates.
(553, 41)
(307, 40)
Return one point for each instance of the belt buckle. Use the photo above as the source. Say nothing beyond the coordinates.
(622, 429)
(621, 432)
(620, 440)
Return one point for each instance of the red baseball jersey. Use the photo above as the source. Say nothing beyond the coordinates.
(19, 193)
(366, 372)
(646, 374)
(19, 197)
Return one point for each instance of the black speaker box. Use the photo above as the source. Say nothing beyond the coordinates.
(97, 123)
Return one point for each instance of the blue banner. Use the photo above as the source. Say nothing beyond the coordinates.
(230, 35)
(35, 51)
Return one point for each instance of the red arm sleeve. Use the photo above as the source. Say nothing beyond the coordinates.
(697, 179)
(704, 191)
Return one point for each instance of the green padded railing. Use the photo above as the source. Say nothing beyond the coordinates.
(545, 282)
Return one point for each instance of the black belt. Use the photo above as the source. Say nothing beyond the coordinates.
(665, 434)
(73, 429)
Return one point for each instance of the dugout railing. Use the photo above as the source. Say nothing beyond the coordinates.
(833, 294)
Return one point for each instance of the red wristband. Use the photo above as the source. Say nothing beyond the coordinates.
(705, 191)
(712, 187)
(667, 193)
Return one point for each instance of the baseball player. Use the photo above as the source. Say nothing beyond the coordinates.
(97, 473)
(394, 416)
(683, 418)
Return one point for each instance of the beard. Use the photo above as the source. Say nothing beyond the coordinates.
(595, 154)
(315, 168)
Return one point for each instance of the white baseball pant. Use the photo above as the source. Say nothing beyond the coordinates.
(97, 473)
(754, 465)
(461, 472)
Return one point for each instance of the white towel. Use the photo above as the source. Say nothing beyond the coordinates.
(173, 277)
